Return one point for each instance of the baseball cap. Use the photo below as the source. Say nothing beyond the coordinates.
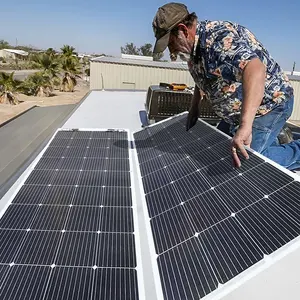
(166, 18)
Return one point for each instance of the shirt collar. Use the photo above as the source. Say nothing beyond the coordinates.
(200, 37)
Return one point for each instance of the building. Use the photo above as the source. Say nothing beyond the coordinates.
(135, 72)
(295, 81)
(13, 54)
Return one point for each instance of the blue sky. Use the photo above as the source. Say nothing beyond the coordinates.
(103, 26)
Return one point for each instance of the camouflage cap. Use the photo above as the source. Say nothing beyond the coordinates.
(166, 18)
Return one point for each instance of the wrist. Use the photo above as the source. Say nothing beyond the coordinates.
(246, 121)
(246, 126)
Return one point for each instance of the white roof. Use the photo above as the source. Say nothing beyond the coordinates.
(139, 57)
(141, 62)
(16, 51)
(295, 73)
(109, 109)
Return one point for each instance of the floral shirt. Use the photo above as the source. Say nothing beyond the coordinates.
(221, 52)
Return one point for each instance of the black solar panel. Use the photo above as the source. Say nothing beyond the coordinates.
(209, 221)
(69, 231)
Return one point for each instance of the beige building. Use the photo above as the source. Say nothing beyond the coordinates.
(295, 80)
(135, 72)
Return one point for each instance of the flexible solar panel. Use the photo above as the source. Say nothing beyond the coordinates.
(209, 221)
(69, 231)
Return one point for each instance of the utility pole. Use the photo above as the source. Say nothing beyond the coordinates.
(294, 66)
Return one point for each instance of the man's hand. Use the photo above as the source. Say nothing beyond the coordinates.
(192, 117)
(242, 138)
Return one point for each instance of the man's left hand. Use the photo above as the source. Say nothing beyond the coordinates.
(242, 138)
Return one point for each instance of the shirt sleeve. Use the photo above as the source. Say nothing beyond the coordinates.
(229, 51)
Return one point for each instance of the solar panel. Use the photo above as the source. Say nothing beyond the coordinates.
(69, 232)
(209, 221)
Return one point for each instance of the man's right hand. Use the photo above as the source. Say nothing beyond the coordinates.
(192, 117)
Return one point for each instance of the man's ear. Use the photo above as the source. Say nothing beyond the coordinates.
(183, 28)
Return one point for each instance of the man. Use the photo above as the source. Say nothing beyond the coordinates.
(246, 86)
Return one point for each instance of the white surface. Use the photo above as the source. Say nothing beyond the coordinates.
(115, 110)
(158, 294)
(274, 277)
(280, 282)
(138, 57)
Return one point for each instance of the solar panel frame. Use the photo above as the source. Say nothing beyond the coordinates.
(222, 290)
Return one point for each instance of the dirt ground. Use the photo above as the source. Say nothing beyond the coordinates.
(8, 111)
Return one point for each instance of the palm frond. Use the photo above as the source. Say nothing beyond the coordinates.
(38, 83)
(49, 64)
(68, 51)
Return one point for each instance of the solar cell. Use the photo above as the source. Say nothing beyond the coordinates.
(116, 250)
(25, 282)
(77, 249)
(83, 218)
(38, 248)
(10, 242)
(70, 283)
(116, 284)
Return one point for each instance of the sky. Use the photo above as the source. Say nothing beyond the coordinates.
(97, 26)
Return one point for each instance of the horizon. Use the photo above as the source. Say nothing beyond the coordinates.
(105, 27)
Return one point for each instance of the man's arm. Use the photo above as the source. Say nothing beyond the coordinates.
(254, 76)
(233, 57)
(253, 91)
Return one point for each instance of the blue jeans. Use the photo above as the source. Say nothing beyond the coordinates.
(265, 130)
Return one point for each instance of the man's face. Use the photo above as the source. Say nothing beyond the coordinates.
(182, 43)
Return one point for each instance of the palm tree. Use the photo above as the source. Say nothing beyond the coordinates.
(68, 51)
(4, 44)
(72, 69)
(38, 84)
(47, 63)
(8, 88)
(51, 52)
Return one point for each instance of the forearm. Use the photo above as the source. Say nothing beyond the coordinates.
(254, 76)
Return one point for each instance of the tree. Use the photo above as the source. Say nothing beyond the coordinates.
(51, 52)
(28, 48)
(4, 44)
(8, 88)
(130, 49)
(42, 83)
(38, 84)
(47, 63)
(68, 51)
(146, 50)
(72, 69)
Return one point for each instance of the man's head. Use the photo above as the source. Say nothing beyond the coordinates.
(174, 27)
